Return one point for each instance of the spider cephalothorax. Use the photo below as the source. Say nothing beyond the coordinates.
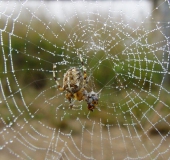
(92, 99)
(74, 83)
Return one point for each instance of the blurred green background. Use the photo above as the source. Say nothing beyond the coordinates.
(130, 69)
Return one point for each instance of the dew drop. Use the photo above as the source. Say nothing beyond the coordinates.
(11, 141)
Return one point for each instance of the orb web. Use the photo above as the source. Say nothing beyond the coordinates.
(125, 47)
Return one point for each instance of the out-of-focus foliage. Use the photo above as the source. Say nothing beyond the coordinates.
(33, 47)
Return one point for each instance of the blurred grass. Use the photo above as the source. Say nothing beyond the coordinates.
(32, 49)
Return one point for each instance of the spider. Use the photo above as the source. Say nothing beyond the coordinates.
(74, 83)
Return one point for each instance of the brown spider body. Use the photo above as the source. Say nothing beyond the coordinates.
(75, 82)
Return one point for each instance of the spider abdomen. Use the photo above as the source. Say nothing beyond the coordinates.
(73, 80)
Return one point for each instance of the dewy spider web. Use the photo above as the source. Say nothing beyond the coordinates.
(125, 46)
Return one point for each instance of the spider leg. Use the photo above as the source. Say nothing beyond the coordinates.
(58, 85)
(84, 70)
(71, 104)
(69, 96)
